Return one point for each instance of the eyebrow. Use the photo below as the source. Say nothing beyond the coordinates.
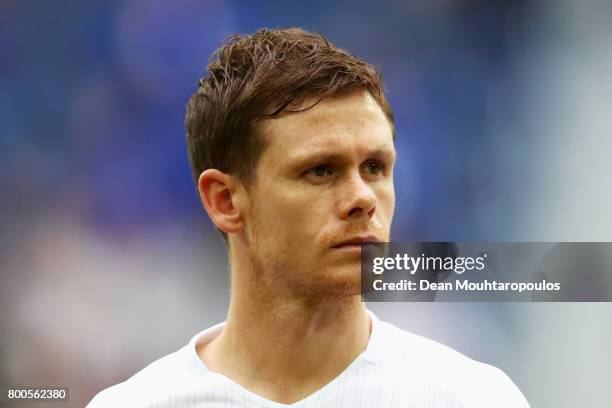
(304, 160)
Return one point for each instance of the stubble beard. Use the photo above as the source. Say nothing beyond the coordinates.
(275, 276)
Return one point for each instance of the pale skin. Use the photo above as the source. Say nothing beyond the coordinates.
(296, 320)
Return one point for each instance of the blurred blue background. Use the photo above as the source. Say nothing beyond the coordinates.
(108, 261)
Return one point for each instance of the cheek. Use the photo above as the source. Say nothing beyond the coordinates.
(283, 214)
(386, 202)
(282, 232)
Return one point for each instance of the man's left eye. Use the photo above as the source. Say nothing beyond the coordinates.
(373, 167)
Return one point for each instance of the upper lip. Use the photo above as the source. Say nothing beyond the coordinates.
(358, 240)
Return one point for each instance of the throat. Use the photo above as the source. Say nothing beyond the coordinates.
(285, 357)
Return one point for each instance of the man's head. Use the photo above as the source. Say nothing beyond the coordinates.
(291, 145)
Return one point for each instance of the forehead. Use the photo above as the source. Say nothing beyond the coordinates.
(351, 122)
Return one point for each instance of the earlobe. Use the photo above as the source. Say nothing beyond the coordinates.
(218, 194)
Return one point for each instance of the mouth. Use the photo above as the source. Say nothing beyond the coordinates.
(356, 242)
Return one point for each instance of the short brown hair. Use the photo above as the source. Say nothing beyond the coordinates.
(252, 77)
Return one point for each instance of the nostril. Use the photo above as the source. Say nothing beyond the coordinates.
(359, 210)
(355, 211)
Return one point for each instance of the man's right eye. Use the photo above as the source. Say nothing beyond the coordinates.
(320, 170)
(318, 173)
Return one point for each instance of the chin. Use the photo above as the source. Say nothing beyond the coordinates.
(337, 282)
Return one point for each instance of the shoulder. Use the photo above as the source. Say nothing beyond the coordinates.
(473, 383)
(158, 376)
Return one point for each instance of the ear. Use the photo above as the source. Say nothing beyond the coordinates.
(218, 192)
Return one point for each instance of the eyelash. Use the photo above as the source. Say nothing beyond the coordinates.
(328, 167)
(379, 164)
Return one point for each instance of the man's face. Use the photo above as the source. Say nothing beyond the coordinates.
(325, 177)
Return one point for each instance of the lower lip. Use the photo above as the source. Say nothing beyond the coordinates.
(349, 248)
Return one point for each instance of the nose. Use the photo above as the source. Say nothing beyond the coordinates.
(357, 198)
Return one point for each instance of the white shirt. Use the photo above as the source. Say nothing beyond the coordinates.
(397, 369)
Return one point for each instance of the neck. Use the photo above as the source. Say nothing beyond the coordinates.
(283, 348)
